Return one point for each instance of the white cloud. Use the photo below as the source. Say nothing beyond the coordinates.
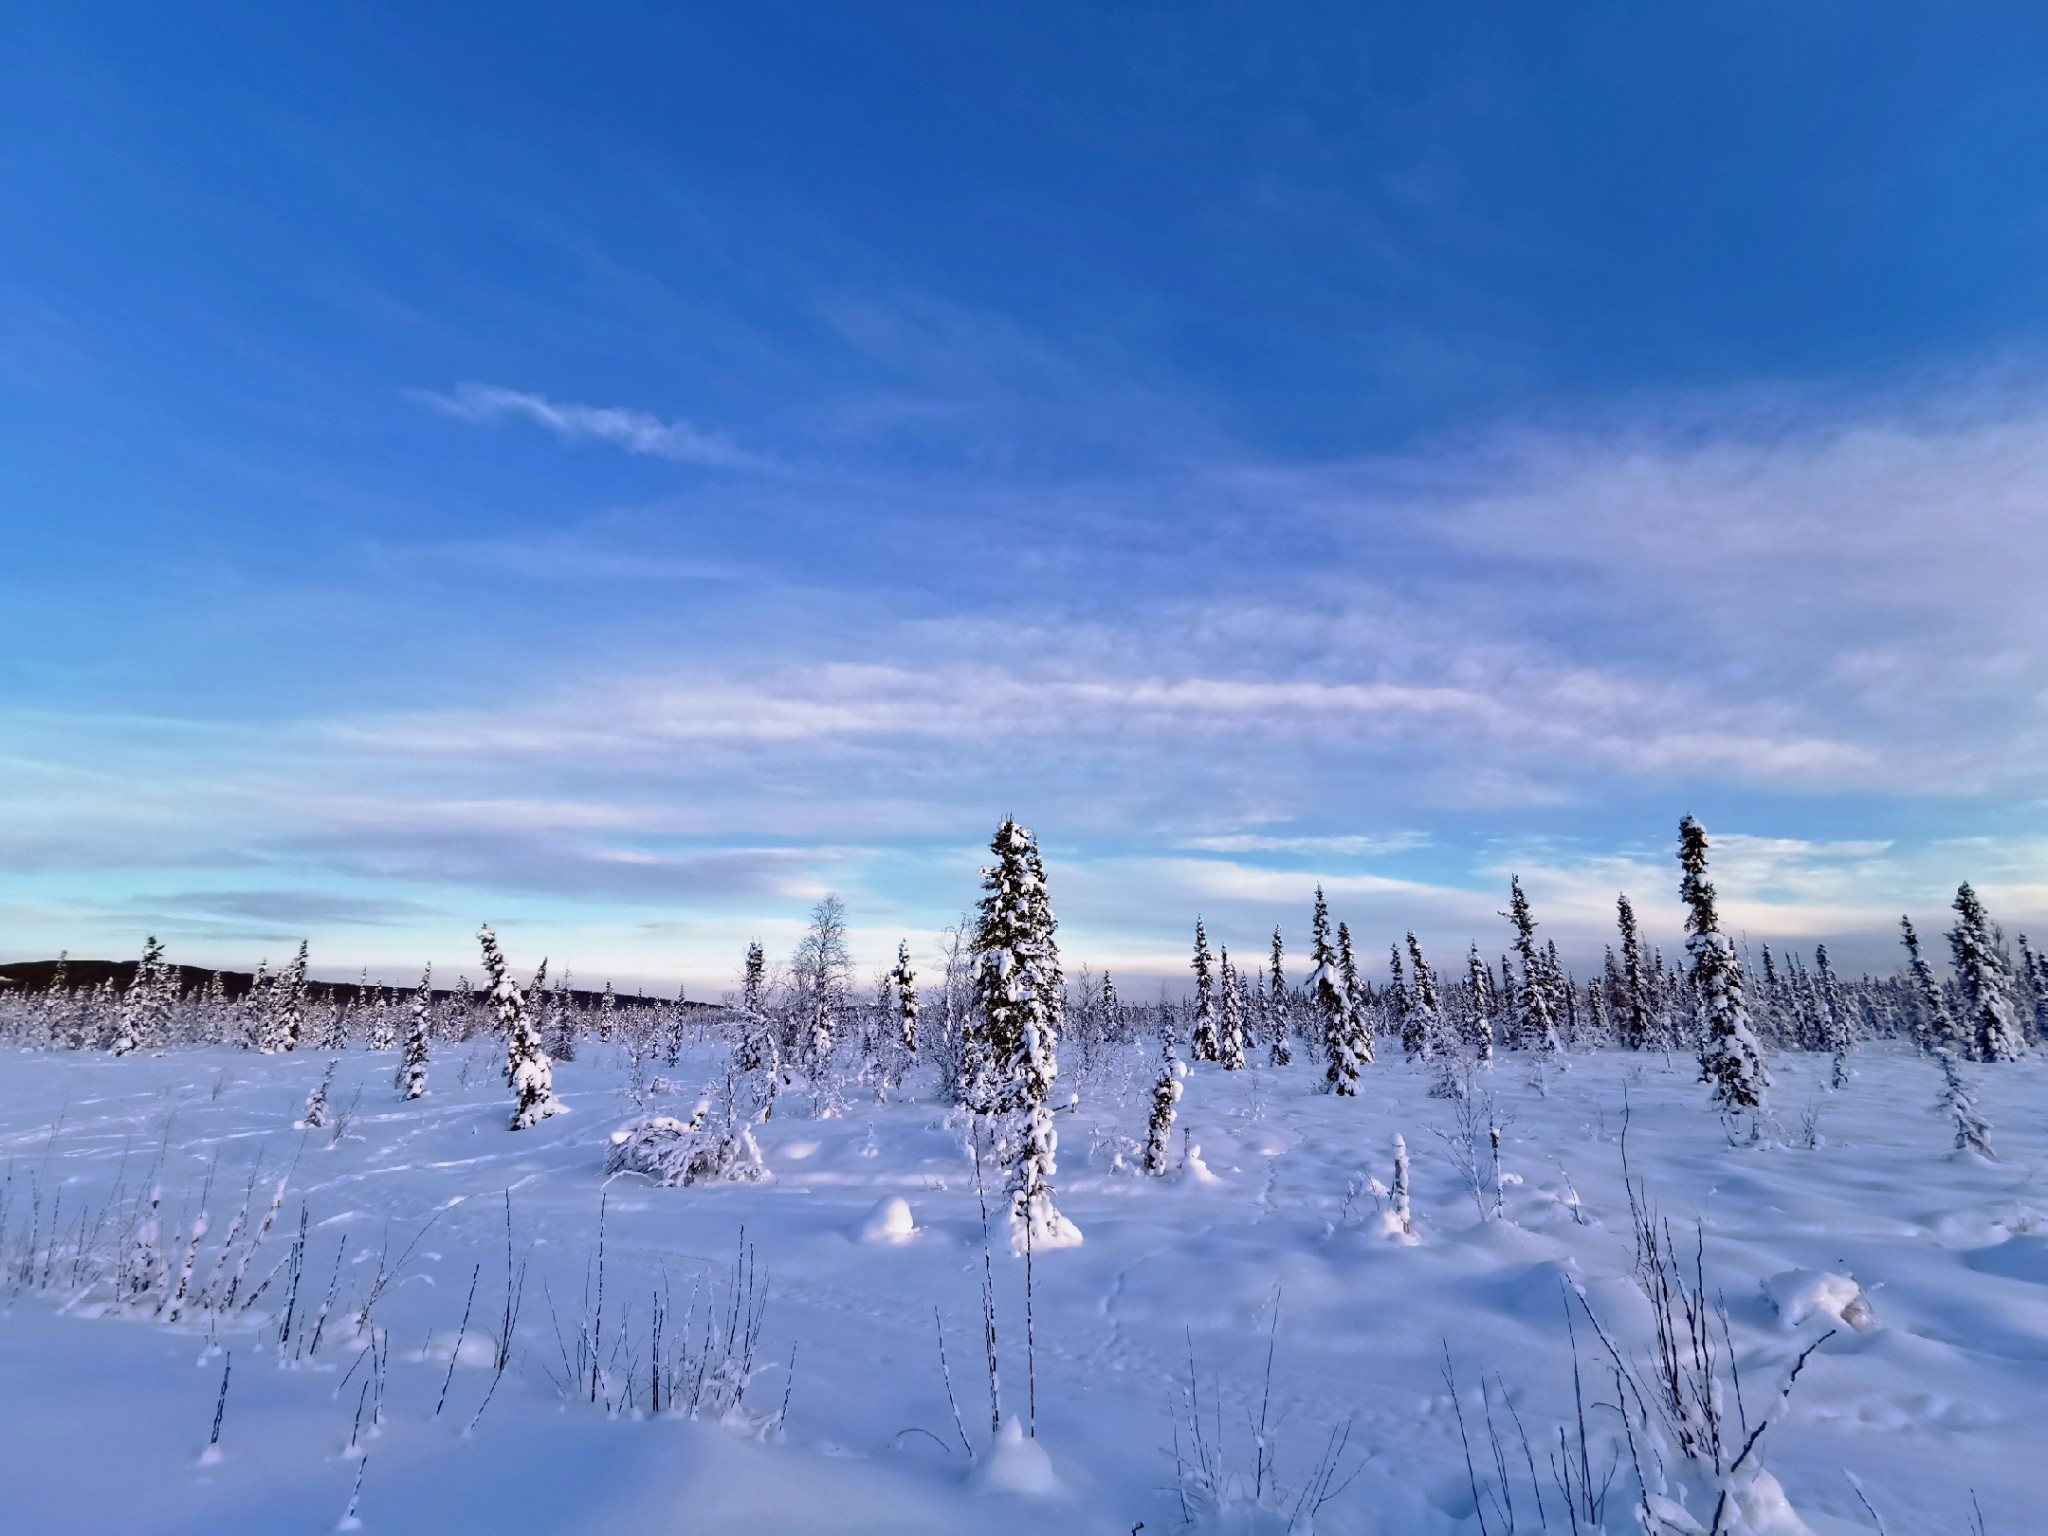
(635, 431)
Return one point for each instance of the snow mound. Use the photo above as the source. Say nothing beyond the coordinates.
(1048, 1229)
(1396, 1230)
(1194, 1171)
(1802, 1293)
(1756, 1506)
(1017, 1464)
(889, 1223)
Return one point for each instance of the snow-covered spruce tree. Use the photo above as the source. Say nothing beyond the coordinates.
(126, 1036)
(1563, 996)
(1018, 997)
(319, 1115)
(554, 1010)
(1808, 1024)
(674, 1027)
(57, 1006)
(1332, 1007)
(254, 1012)
(1203, 1045)
(1358, 1020)
(1632, 1010)
(1438, 1046)
(543, 1013)
(144, 1018)
(281, 1016)
(1973, 1131)
(1533, 1025)
(219, 1016)
(1417, 1001)
(1479, 1023)
(1933, 1025)
(97, 1017)
(755, 1050)
(1401, 1002)
(528, 1072)
(292, 1000)
(608, 1013)
(1166, 1094)
(1230, 1029)
(1770, 993)
(168, 1002)
(1834, 1020)
(1991, 1022)
(412, 1068)
(1599, 1022)
(1730, 1057)
(975, 1082)
(903, 993)
(2033, 992)
(1279, 1017)
(1507, 1004)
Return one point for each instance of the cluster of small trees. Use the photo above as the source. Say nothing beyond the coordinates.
(154, 1005)
(1716, 1005)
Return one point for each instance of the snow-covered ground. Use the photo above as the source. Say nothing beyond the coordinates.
(1281, 1242)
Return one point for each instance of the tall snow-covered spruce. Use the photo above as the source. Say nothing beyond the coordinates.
(412, 1070)
(1534, 1024)
(1357, 1025)
(1279, 1020)
(528, 1071)
(1230, 1029)
(1632, 1003)
(903, 991)
(1479, 994)
(145, 1014)
(1204, 1046)
(1933, 1025)
(281, 1007)
(1332, 1004)
(1991, 1028)
(1730, 1057)
(1837, 1032)
(1017, 1005)
(757, 1049)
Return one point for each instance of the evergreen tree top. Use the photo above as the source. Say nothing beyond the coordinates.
(1694, 889)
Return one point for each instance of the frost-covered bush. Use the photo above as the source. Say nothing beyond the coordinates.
(699, 1150)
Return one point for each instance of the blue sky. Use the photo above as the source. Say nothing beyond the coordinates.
(625, 471)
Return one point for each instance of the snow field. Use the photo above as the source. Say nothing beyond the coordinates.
(1275, 1237)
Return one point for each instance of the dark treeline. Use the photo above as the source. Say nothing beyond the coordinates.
(25, 977)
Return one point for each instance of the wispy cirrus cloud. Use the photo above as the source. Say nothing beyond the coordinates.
(1343, 846)
(1540, 721)
(636, 431)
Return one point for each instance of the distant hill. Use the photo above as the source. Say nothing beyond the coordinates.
(23, 976)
